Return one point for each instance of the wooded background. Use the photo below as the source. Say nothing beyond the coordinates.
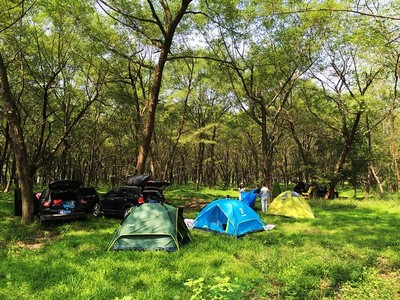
(210, 92)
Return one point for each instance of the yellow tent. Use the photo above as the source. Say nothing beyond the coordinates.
(290, 204)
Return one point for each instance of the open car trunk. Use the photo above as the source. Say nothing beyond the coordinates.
(155, 184)
(138, 180)
(65, 185)
(146, 183)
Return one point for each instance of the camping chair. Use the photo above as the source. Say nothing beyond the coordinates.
(308, 194)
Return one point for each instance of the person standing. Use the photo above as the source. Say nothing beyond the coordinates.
(264, 194)
(241, 190)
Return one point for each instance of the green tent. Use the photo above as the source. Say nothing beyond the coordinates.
(152, 226)
(290, 204)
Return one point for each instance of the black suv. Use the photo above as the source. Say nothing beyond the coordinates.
(88, 196)
(119, 201)
(318, 190)
(138, 190)
(60, 201)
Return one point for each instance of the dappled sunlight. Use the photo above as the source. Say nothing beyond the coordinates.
(299, 227)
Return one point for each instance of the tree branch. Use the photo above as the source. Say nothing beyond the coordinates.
(339, 10)
(23, 13)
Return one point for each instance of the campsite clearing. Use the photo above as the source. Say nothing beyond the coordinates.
(349, 251)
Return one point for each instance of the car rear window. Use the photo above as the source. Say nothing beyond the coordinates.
(87, 191)
(64, 195)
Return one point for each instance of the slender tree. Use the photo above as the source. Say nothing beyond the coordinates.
(156, 24)
(38, 51)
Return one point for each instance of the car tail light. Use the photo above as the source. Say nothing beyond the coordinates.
(82, 201)
(140, 200)
(46, 203)
(57, 202)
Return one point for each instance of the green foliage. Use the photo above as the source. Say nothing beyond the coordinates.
(276, 189)
(61, 54)
(219, 288)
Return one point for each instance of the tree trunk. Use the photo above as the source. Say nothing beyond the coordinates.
(18, 144)
(349, 139)
(135, 76)
(11, 177)
(371, 170)
(211, 162)
(151, 114)
(264, 143)
(266, 150)
(393, 132)
(5, 154)
(378, 181)
(199, 169)
(152, 102)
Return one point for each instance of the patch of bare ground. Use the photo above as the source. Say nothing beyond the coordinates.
(38, 241)
(194, 203)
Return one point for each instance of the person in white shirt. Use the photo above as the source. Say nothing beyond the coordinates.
(264, 194)
(241, 190)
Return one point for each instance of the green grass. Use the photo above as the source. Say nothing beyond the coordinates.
(350, 251)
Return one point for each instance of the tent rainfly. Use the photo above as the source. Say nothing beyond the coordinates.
(228, 216)
(152, 226)
(249, 198)
(290, 204)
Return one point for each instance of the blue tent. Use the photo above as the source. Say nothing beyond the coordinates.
(249, 198)
(227, 216)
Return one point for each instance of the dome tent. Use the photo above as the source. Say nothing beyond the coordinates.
(290, 204)
(228, 216)
(151, 226)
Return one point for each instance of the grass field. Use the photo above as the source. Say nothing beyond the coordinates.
(350, 251)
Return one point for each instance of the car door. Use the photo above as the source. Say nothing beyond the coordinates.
(122, 202)
(90, 197)
(111, 202)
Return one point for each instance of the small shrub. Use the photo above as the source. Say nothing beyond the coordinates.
(217, 287)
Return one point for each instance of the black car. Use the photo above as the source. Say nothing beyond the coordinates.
(119, 201)
(88, 196)
(138, 190)
(60, 201)
(153, 191)
(317, 190)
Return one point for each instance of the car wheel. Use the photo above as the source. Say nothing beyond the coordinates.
(96, 210)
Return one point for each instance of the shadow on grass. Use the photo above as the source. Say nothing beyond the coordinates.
(6, 208)
(360, 227)
(339, 225)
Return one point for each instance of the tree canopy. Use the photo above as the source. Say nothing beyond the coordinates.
(211, 92)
